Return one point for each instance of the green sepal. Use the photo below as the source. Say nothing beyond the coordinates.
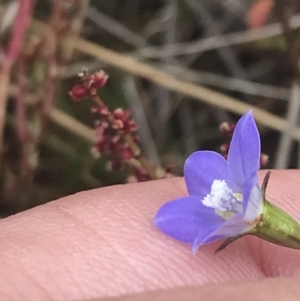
(278, 227)
(274, 225)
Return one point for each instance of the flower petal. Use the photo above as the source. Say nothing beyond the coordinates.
(244, 151)
(183, 218)
(232, 227)
(202, 168)
(252, 200)
(229, 228)
(204, 237)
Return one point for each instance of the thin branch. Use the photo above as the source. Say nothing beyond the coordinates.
(115, 28)
(139, 115)
(76, 26)
(22, 125)
(126, 35)
(213, 28)
(60, 118)
(227, 83)
(187, 126)
(216, 41)
(72, 125)
(164, 103)
(20, 26)
(285, 11)
(196, 92)
(292, 117)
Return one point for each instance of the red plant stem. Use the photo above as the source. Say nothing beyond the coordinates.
(153, 171)
(19, 29)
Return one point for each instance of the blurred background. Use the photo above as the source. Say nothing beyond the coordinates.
(182, 68)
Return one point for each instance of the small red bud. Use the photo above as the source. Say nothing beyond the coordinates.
(118, 113)
(127, 154)
(227, 128)
(99, 79)
(224, 147)
(104, 110)
(132, 126)
(118, 125)
(78, 92)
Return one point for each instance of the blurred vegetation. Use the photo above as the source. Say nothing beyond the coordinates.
(62, 162)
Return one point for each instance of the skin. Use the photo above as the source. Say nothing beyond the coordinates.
(99, 244)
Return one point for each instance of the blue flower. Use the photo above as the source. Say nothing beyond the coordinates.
(224, 199)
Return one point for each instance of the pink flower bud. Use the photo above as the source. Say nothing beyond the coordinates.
(224, 147)
(118, 113)
(132, 126)
(78, 92)
(128, 154)
(115, 139)
(227, 128)
(104, 110)
(118, 125)
(99, 79)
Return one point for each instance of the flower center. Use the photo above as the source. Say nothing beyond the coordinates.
(222, 198)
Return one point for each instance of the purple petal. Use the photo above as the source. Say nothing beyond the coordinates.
(204, 237)
(232, 227)
(202, 168)
(244, 151)
(252, 200)
(183, 218)
(229, 228)
(247, 188)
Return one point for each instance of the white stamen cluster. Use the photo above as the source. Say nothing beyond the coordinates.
(221, 197)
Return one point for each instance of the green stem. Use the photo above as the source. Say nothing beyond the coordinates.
(278, 227)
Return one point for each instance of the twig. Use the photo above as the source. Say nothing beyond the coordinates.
(72, 125)
(187, 125)
(285, 11)
(217, 41)
(227, 83)
(139, 115)
(61, 119)
(212, 28)
(13, 50)
(115, 28)
(163, 99)
(21, 121)
(76, 26)
(285, 143)
(197, 92)
(19, 29)
(50, 79)
(127, 36)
